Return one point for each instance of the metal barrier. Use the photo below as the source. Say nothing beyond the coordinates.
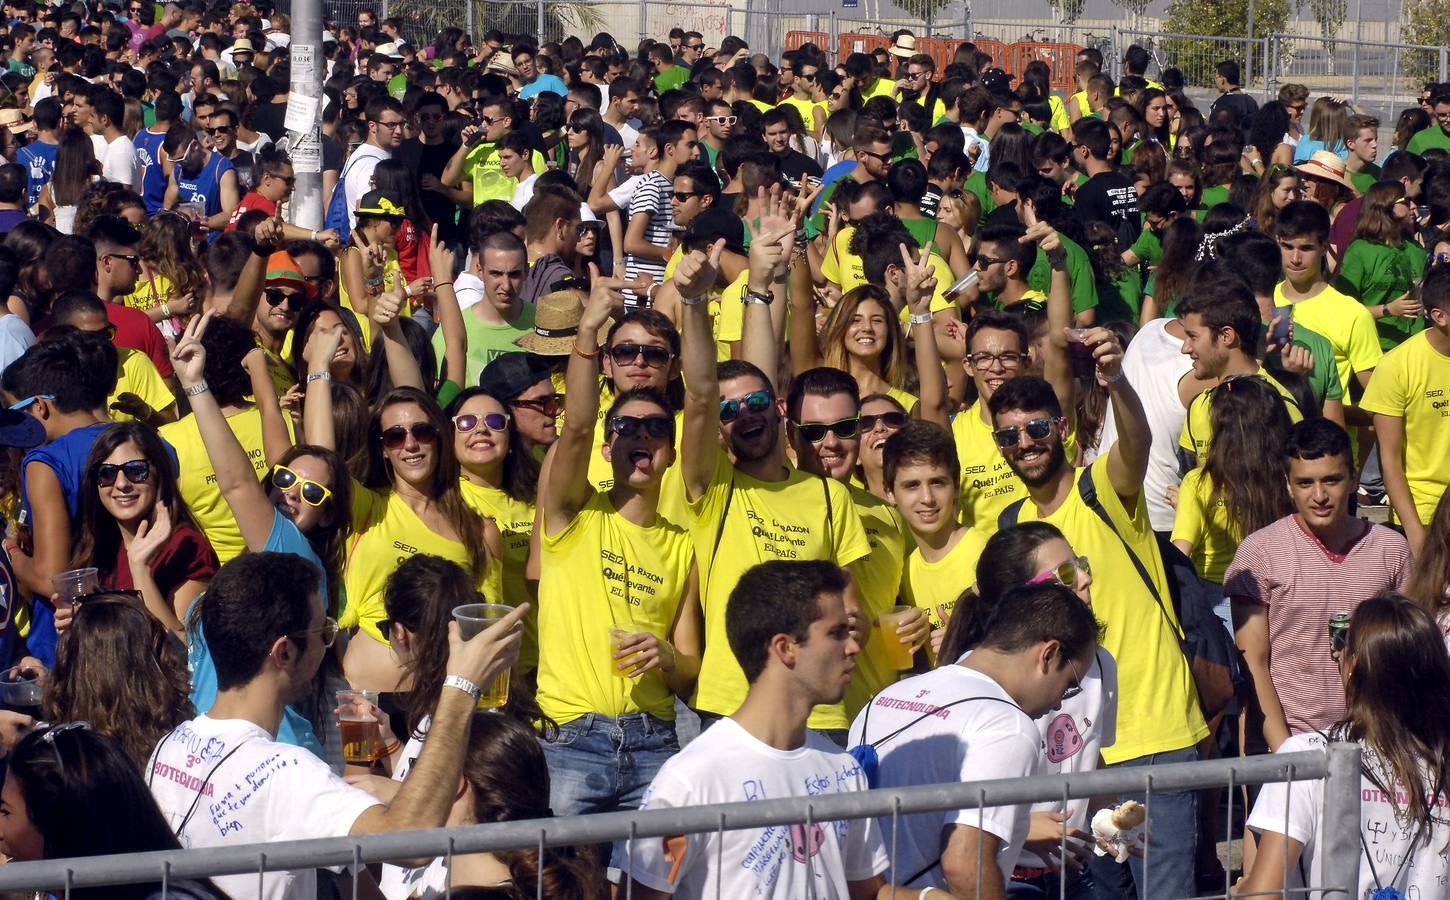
(1196, 55)
(1337, 834)
(1381, 77)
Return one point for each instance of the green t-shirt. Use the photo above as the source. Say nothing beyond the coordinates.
(1426, 138)
(1213, 195)
(1378, 273)
(487, 342)
(1079, 272)
(671, 78)
(1148, 247)
(1324, 379)
(1365, 179)
(976, 185)
(1121, 299)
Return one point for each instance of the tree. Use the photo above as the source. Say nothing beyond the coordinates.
(925, 10)
(1426, 22)
(1068, 11)
(1214, 20)
(1330, 14)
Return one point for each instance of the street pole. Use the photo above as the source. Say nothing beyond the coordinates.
(304, 113)
(1249, 48)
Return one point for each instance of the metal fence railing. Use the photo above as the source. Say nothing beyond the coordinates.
(1337, 831)
(1196, 56)
(1380, 77)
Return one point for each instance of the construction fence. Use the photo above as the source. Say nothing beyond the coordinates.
(1337, 832)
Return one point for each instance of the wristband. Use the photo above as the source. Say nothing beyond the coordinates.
(463, 684)
(392, 748)
(199, 388)
(919, 318)
(762, 298)
(439, 284)
(579, 351)
(314, 234)
(694, 301)
(1113, 379)
(319, 376)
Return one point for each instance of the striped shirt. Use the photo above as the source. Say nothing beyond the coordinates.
(651, 197)
(1287, 569)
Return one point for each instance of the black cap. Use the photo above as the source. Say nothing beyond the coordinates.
(711, 225)
(511, 374)
(996, 81)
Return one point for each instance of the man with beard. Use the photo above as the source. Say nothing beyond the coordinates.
(756, 508)
(1101, 511)
(199, 178)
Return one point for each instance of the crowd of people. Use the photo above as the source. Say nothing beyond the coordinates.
(826, 424)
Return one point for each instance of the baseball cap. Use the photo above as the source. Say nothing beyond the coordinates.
(511, 374)
(18, 429)
(380, 203)
(283, 269)
(996, 81)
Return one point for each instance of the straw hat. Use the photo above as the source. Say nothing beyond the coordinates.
(556, 324)
(904, 46)
(1327, 166)
(15, 120)
(503, 62)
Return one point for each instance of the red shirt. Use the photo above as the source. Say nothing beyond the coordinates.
(412, 246)
(188, 556)
(253, 200)
(136, 331)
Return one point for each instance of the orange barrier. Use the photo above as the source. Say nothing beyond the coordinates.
(794, 40)
(860, 43)
(1060, 58)
(1012, 58)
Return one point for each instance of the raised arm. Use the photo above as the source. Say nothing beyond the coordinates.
(235, 475)
(918, 286)
(567, 489)
(276, 440)
(1128, 458)
(402, 364)
(445, 306)
(318, 427)
(248, 293)
(1056, 365)
(770, 247)
(699, 441)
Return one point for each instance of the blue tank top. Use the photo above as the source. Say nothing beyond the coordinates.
(38, 158)
(205, 187)
(148, 159)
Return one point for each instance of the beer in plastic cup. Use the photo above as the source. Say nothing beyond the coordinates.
(473, 618)
(898, 653)
(21, 688)
(75, 584)
(362, 737)
(616, 636)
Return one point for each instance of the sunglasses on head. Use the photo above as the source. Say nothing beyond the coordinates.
(1037, 430)
(654, 357)
(466, 422)
(276, 297)
(548, 405)
(892, 420)
(397, 436)
(815, 432)
(313, 493)
(755, 401)
(657, 427)
(1064, 573)
(137, 471)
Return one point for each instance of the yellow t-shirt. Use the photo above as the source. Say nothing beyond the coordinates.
(149, 292)
(136, 374)
(672, 505)
(1059, 120)
(1410, 384)
(1197, 425)
(283, 378)
(384, 536)
(740, 521)
(877, 578)
(393, 280)
(198, 476)
(515, 521)
(760, 105)
(807, 109)
(907, 399)
(1158, 707)
(881, 87)
(1206, 526)
(845, 269)
(1345, 323)
(600, 572)
(936, 586)
(726, 307)
(987, 485)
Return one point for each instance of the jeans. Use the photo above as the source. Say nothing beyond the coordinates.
(1172, 842)
(1048, 887)
(599, 764)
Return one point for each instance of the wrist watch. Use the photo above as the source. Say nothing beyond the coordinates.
(762, 297)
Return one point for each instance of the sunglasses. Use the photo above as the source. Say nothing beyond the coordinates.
(815, 432)
(397, 436)
(135, 261)
(1064, 573)
(1075, 688)
(137, 471)
(220, 129)
(893, 420)
(1037, 430)
(313, 493)
(654, 357)
(289, 180)
(575, 129)
(549, 405)
(755, 401)
(276, 297)
(883, 157)
(657, 427)
(327, 631)
(30, 401)
(684, 196)
(721, 120)
(466, 422)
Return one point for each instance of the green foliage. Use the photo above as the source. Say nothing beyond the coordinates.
(1330, 15)
(1426, 22)
(923, 9)
(1214, 19)
(1068, 11)
(423, 19)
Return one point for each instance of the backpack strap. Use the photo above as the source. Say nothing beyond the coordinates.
(1088, 491)
(1009, 516)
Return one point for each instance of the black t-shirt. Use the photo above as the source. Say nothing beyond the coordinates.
(795, 165)
(430, 159)
(246, 166)
(1110, 197)
(269, 118)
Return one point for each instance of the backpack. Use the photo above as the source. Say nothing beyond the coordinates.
(1206, 645)
(336, 215)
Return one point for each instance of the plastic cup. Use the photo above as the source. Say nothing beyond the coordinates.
(898, 653)
(473, 618)
(75, 584)
(362, 737)
(616, 637)
(21, 688)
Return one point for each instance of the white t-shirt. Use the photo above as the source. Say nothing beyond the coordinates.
(524, 192)
(1154, 363)
(1388, 839)
(239, 786)
(624, 191)
(119, 163)
(726, 764)
(978, 740)
(1073, 735)
(400, 882)
(15, 338)
(358, 176)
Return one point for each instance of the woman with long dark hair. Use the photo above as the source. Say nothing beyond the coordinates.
(134, 527)
(584, 136)
(1157, 126)
(75, 168)
(1429, 583)
(1277, 189)
(117, 668)
(1384, 265)
(412, 235)
(1169, 281)
(1266, 135)
(61, 783)
(1397, 697)
(1026, 554)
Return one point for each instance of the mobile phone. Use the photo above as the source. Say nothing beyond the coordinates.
(1280, 329)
